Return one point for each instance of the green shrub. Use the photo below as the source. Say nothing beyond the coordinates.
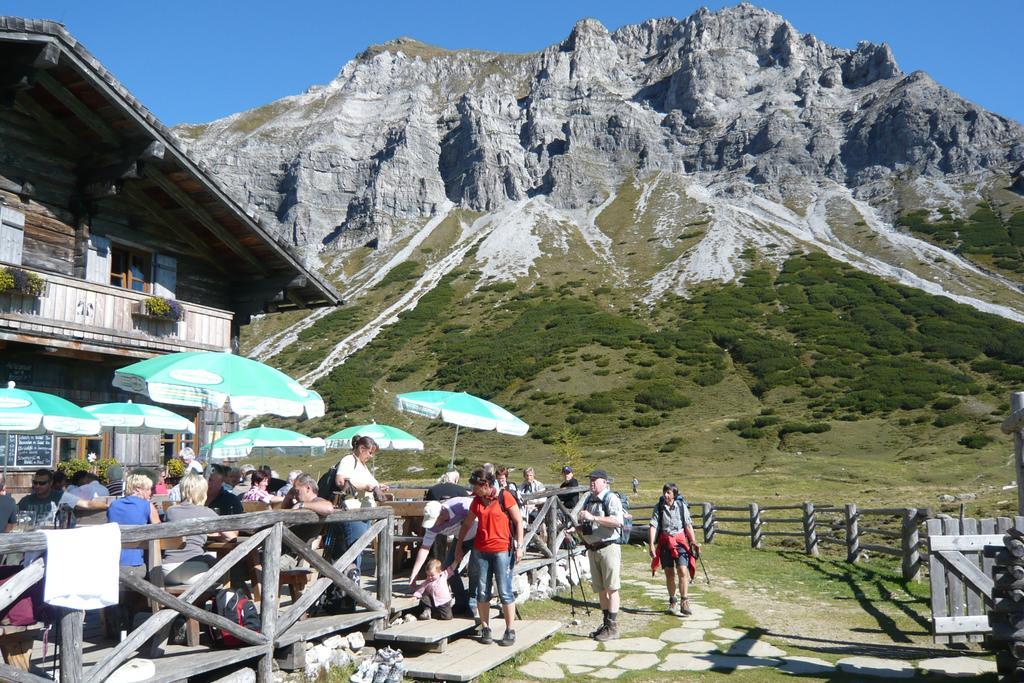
(403, 272)
(945, 403)
(976, 440)
(752, 433)
(646, 420)
(947, 420)
(661, 396)
(595, 404)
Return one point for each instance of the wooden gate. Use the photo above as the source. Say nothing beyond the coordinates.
(961, 575)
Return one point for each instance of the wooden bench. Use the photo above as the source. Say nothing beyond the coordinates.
(430, 635)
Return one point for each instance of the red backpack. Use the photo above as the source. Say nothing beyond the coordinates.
(235, 607)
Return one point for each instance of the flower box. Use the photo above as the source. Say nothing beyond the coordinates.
(18, 281)
(159, 308)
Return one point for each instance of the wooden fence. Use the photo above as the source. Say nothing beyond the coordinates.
(280, 628)
(886, 531)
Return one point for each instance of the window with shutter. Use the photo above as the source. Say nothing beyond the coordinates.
(12, 235)
(131, 268)
(165, 276)
(97, 260)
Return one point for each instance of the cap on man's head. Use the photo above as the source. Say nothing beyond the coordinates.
(566, 470)
(600, 474)
(431, 511)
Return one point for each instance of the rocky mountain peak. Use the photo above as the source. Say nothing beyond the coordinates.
(737, 100)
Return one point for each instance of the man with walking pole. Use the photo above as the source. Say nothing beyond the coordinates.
(600, 522)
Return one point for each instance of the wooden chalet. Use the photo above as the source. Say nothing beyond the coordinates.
(101, 212)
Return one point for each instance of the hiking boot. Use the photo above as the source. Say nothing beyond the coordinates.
(485, 636)
(673, 608)
(508, 639)
(685, 608)
(598, 631)
(611, 632)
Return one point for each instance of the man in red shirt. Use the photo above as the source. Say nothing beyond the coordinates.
(493, 550)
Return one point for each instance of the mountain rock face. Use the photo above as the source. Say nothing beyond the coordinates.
(406, 129)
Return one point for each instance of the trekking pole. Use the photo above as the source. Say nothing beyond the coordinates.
(706, 577)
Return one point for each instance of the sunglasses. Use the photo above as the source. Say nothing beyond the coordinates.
(40, 483)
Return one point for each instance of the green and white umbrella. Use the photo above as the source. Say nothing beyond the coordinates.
(242, 443)
(209, 380)
(36, 412)
(138, 418)
(386, 436)
(462, 410)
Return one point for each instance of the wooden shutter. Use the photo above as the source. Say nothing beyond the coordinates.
(97, 261)
(165, 276)
(12, 235)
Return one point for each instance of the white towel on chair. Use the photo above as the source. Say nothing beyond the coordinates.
(82, 569)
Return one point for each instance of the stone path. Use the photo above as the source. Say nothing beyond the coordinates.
(699, 643)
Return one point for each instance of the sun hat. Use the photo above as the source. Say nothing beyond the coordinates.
(431, 511)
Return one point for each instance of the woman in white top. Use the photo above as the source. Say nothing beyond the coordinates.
(353, 470)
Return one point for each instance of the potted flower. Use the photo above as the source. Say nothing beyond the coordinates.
(161, 308)
(18, 281)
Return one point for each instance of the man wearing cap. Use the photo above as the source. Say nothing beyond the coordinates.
(569, 482)
(444, 519)
(600, 521)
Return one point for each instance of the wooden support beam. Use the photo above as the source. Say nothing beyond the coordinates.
(268, 615)
(155, 623)
(146, 589)
(144, 202)
(204, 217)
(78, 108)
(331, 572)
(71, 622)
(27, 104)
(20, 582)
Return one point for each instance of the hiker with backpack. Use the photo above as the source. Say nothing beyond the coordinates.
(601, 522)
(499, 541)
(673, 546)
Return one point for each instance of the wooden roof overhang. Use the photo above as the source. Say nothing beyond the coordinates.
(122, 150)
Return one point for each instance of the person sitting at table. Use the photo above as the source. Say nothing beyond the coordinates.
(275, 482)
(85, 492)
(218, 498)
(8, 507)
(188, 456)
(239, 480)
(134, 508)
(187, 564)
(115, 480)
(43, 500)
(160, 488)
(447, 486)
(258, 491)
(292, 476)
(303, 496)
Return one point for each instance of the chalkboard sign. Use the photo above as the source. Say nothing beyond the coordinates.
(29, 451)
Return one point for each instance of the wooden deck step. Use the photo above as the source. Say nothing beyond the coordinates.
(465, 659)
(317, 627)
(432, 634)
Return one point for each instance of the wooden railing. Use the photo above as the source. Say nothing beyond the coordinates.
(93, 313)
(270, 533)
(846, 526)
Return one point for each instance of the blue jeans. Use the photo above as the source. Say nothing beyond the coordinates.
(350, 533)
(493, 566)
(458, 589)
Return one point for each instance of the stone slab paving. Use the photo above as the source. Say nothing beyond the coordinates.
(696, 646)
(957, 667)
(727, 634)
(587, 645)
(682, 635)
(806, 666)
(734, 663)
(636, 662)
(679, 661)
(748, 647)
(876, 667)
(578, 669)
(542, 670)
(695, 623)
(608, 673)
(578, 657)
(634, 645)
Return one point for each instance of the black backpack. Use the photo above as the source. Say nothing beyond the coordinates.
(235, 607)
(326, 485)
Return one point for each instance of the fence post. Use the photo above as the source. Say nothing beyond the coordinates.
(755, 526)
(271, 583)
(708, 521)
(385, 558)
(852, 533)
(909, 541)
(810, 530)
(553, 545)
(71, 621)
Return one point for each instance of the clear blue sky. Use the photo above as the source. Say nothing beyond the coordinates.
(194, 61)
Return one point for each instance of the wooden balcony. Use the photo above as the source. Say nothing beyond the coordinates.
(76, 314)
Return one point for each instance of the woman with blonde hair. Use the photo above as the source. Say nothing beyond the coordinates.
(187, 564)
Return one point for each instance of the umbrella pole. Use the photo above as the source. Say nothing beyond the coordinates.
(7, 451)
(455, 442)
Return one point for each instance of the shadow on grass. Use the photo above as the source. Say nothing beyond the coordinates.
(860, 580)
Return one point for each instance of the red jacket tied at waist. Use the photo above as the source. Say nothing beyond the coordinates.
(673, 544)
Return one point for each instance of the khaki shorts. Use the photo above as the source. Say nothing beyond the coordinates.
(604, 567)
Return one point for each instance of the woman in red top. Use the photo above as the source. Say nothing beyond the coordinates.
(493, 550)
